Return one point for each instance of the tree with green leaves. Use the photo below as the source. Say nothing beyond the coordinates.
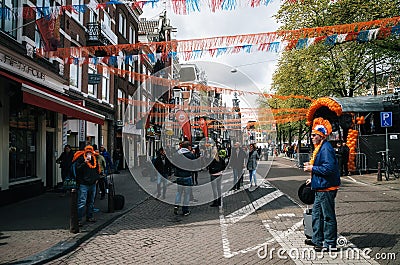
(343, 70)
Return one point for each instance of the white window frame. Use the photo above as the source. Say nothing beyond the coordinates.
(38, 39)
(132, 34)
(75, 74)
(78, 16)
(106, 20)
(131, 108)
(122, 24)
(120, 105)
(131, 70)
(92, 89)
(105, 85)
(10, 26)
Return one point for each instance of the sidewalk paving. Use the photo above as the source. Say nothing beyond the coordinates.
(36, 230)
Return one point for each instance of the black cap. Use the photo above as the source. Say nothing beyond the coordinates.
(306, 194)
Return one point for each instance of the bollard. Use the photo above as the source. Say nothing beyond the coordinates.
(379, 177)
(73, 221)
(111, 208)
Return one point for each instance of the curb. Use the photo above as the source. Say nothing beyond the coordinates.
(64, 247)
(375, 183)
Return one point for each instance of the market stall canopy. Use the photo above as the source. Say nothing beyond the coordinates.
(332, 106)
(361, 104)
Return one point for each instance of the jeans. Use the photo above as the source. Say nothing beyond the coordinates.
(237, 173)
(184, 188)
(252, 174)
(116, 164)
(86, 193)
(324, 219)
(162, 179)
(216, 186)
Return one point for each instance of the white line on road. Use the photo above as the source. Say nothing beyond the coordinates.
(356, 181)
(239, 215)
(252, 207)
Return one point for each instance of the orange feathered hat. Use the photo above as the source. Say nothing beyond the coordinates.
(322, 127)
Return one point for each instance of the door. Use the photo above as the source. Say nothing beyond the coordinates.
(50, 160)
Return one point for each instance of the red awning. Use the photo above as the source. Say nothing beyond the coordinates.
(48, 100)
(44, 98)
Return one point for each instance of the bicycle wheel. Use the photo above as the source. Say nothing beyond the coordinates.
(387, 171)
(394, 170)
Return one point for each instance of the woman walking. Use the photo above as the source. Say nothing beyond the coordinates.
(215, 169)
(252, 164)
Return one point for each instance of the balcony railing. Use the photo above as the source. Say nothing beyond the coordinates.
(99, 35)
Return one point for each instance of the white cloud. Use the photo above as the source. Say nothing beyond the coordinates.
(258, 66)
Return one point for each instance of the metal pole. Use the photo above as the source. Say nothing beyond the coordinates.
(387, 147)
(379, 177)
(111, 208)
(73, 221)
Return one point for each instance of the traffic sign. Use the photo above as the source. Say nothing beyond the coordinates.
(386, 119)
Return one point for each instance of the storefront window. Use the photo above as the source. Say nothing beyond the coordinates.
(22, 140)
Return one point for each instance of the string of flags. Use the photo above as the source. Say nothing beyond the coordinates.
(180, 7)
(275, 47)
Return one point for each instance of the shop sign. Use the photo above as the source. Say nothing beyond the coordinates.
(21, 66)
(82, 131)
(94, 79)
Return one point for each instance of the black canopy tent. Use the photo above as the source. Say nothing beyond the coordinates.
(371, 137)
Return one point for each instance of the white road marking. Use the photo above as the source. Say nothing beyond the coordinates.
(356, 181)
(296, 251)
(238, 215)
(252, 207)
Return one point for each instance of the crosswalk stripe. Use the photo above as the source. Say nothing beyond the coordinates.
(251, 208)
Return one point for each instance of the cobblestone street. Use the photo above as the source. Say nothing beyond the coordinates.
(254, 226)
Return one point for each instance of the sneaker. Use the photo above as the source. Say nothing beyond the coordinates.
(91, 220)
(186, 213)
(309, 242)
(176, 209)
(320, 249)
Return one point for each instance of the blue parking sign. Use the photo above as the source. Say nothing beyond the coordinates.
(386, 119)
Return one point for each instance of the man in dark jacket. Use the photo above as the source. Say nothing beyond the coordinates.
(88, 173)
(65, 161)
(237, 162)
(163, 167)
(117, 158)
(107, 157)
(325, 180)
(183, 172)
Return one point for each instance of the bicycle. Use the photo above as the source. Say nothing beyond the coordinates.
(389, 165)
